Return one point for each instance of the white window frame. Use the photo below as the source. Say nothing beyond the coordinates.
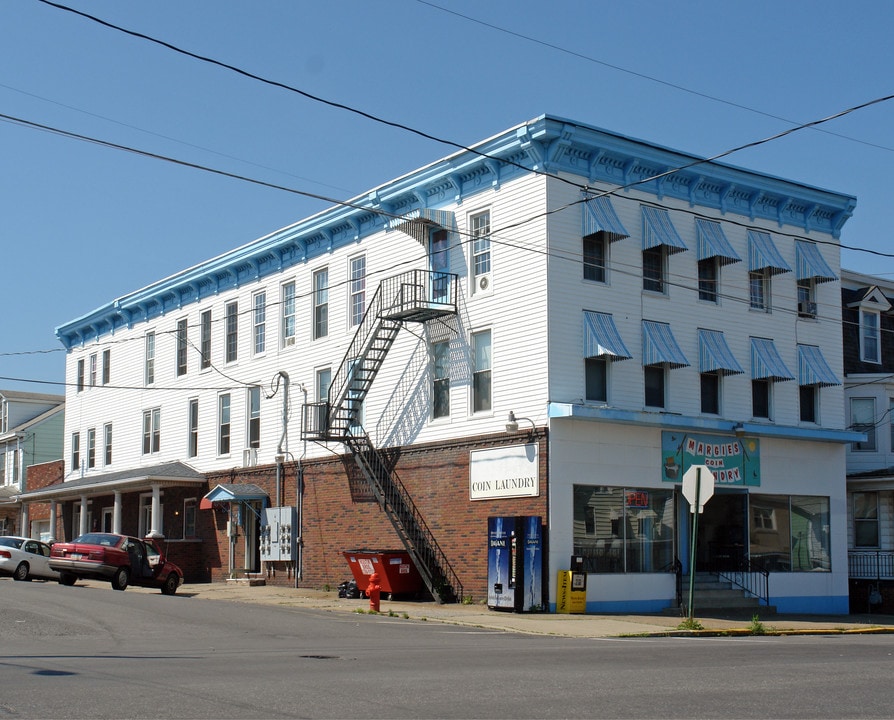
(149, 358)
(482, 365)
(288, 317)
(862, 411)
(107, 444)
(600, 268)
(759, 290)
(192, 428)
(320, 318)
(259, 322)
(231, 335)
(205, 339)
(224, 424)
(356, 289)
(481, 250)
(91, 448)
(151, 431)
(440, 373)
(253, 416)
(93, 369)
(870, 336)
(182, 335)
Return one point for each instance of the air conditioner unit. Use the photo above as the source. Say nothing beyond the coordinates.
(249, 457)
(289, 341)
(807, 308)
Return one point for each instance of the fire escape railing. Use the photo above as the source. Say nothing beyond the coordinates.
(414, 296)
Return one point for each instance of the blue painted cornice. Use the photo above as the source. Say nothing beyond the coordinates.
(545, 144)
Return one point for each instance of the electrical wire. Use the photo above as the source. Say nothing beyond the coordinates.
(643, 76)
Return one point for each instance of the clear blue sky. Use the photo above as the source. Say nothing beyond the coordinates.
(82, 224)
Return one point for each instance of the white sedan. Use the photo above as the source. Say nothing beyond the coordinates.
(24, 558)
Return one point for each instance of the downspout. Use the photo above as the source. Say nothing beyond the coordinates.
(299, 495)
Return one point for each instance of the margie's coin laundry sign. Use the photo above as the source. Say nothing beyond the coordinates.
(732, 460)
(504, 472)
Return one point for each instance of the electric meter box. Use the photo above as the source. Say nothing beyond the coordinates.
(279, 534)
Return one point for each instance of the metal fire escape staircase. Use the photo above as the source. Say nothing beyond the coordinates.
(417, 296)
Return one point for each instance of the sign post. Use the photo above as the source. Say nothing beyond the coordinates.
(698, 488)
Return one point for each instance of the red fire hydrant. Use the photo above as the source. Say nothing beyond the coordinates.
(374, 591)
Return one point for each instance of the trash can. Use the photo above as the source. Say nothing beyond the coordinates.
(397, 573)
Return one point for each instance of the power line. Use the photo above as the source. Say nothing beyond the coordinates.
(643, 76)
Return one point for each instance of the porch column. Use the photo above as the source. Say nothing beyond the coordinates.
(155, 520)
(53, 511)
(24, 530)
(82, 529)
(116, 513)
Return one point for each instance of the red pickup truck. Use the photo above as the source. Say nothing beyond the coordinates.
(121, 559)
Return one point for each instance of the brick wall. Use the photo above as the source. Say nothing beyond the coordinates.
(336, 519)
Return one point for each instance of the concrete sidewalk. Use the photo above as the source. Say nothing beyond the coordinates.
(583, 626)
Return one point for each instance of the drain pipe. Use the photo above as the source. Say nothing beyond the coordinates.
(299, 501)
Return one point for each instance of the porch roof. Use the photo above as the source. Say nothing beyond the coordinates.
(130, 480)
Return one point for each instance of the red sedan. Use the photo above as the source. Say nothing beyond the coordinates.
(121, 559)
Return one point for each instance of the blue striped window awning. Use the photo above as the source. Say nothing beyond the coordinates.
(659, 230)
(601, 337)
(766, 363)
(810, 263)
(813, 369)
(714, 354)
(763, 255)
(599, 216)
(712, 242)
(418, 223)
(660, 347)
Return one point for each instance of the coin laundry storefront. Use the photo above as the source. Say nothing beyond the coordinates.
(778, 505)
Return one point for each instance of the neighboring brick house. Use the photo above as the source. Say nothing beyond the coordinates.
(31, 426)
(868, 338)
(550, 324)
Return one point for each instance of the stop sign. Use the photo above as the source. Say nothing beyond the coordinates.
(698, 486)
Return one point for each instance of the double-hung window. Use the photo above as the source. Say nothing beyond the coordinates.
(232, 336)
(866, 516)
(106, 366)
(863, 421)
(481, 262)
(655, 269)
(192, 438)
(182, 339)
(91, 448)
(481, 371)
(259, 322)
(149, 364)
(288, 313)
(75, 452)
(151, 431)
(80, 379)
(206, 339)
(654, 377)
(357, 289)
(759, 290)
(440, 352)
(254, 417)
(870, 347)
(708, 279)
(223, 424)
(595, 249)
(93, 370)
(107, 443)
(321, 303)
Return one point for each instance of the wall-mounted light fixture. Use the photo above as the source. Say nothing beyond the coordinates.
(512, 423)
(739, 429)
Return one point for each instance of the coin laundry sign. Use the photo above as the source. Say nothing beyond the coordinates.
(504, 472)
(732, 460)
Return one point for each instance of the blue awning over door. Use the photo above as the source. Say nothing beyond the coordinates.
(763, 255)
(810, 263)
(712, 242)
(601, 337)
(715, 355)
(766, 363)
(659, 230)
(660, 347)
(813, 368)
(599, 216)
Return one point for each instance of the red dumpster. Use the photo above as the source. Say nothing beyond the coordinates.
(397, 573)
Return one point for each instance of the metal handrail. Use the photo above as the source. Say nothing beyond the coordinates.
(751, 576)
(870, 564)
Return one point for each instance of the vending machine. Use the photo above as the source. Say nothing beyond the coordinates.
(515, 563)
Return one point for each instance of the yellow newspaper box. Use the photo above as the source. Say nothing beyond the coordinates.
(571, 594)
